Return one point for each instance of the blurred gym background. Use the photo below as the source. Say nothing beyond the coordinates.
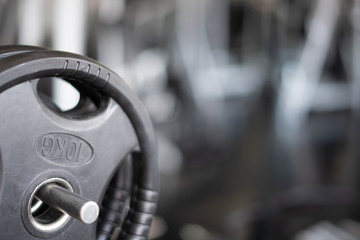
(255, 103)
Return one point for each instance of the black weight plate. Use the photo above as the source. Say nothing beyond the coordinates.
(55, 126)
(125, 180)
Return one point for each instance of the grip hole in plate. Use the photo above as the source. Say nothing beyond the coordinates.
(70, 98)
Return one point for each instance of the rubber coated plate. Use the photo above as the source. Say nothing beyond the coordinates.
(39, 140)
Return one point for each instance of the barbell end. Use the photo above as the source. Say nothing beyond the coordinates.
(78, 207)
(89, 212)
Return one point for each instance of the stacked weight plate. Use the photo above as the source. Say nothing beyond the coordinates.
(107, 155)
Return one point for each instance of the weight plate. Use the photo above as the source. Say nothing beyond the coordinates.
(67, 135)
(122, 180)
